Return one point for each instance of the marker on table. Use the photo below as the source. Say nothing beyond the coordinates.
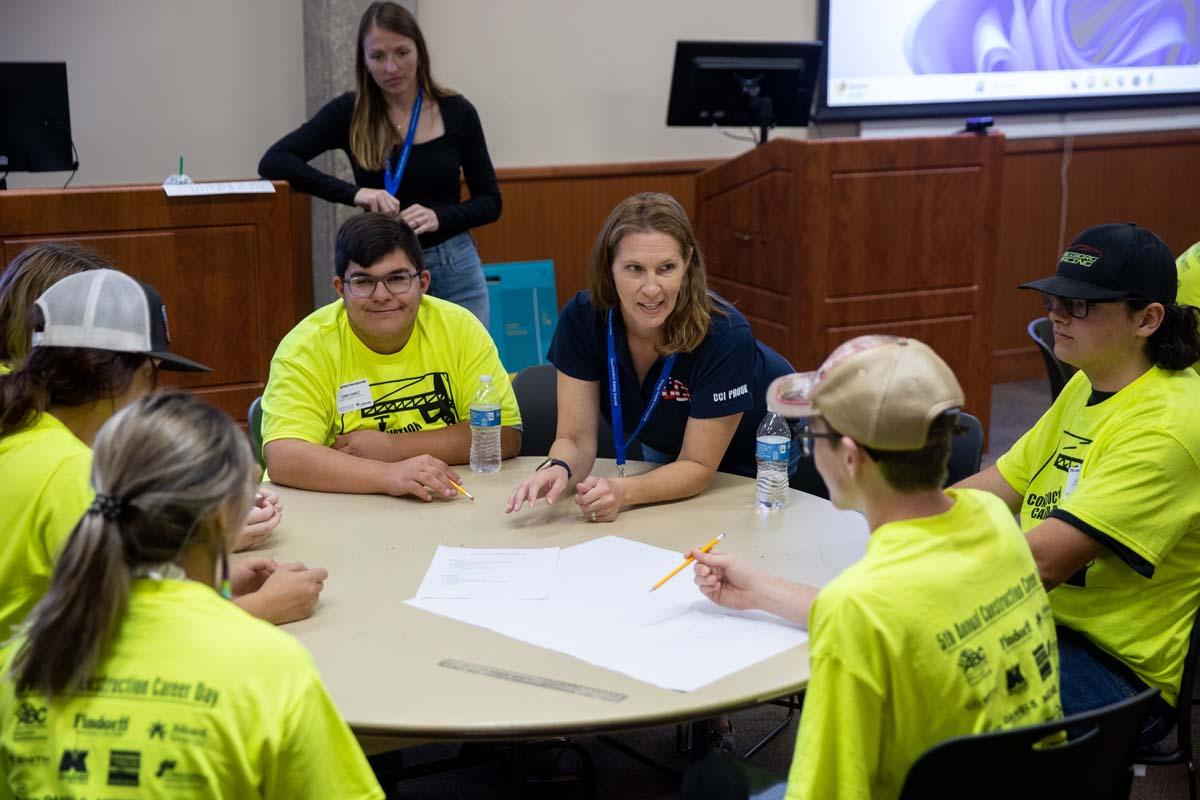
(706, 548)
(463, 491)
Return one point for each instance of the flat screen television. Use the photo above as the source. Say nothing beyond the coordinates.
(926, 58)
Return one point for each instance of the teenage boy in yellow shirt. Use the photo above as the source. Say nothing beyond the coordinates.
(1105, 482)
(943, 628)
(371, 393)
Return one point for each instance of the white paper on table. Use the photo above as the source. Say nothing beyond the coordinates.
(228, 187)
(601, 610)
(479, 573)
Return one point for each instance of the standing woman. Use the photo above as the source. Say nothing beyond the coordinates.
(134, 664)
(407, 139)
(649, 346)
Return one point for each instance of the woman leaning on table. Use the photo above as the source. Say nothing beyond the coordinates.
(690, 378)
(407, 139)
(134, 664)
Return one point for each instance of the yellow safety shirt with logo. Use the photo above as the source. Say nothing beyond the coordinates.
(45, 490)
(194, 698)
(427, 385)
(1124, 470)
(943, 629)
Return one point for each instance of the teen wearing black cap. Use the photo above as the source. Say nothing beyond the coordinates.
(1105, 482)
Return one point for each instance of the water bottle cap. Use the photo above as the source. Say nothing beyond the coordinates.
(485, 378)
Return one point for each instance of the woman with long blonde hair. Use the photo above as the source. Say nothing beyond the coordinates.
(407, 139)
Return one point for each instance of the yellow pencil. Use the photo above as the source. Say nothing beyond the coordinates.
(706, 548)
(465, 493)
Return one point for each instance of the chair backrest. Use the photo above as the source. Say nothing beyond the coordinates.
(254, 428)
(966, 449)
(1095, 761)
(1041, 330)
(1182, 751)
(537, 395)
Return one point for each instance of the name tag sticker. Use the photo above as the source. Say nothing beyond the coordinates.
(1072, 480)
(354, 396)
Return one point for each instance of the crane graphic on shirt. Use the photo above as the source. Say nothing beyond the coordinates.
(396, 402)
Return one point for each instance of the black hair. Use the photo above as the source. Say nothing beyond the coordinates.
(1176, 343)
(369, 238)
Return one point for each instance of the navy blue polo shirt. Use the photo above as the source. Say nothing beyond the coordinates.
(727, 374)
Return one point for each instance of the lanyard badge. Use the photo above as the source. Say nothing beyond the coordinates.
(620, 443)
(395, 170)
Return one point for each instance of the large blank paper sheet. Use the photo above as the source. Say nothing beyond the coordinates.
(600, 610)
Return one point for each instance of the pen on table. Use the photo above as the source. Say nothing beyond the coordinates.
(463, 491)
(181, 165)
(706, 548)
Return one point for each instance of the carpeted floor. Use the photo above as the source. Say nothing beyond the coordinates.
(1015, 406)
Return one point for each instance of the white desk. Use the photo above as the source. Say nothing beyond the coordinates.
(380, 658)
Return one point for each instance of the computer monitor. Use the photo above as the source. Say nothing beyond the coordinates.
(35, 121)
(760, 84)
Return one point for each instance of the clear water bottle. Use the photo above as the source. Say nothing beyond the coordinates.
(485, 427)
(773, 449)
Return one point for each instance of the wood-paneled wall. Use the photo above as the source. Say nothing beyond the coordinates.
(1150, 179)
(555, 212)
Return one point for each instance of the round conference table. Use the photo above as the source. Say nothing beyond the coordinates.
(383, 660)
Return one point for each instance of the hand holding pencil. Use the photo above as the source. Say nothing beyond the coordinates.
(690, 558)
(728, 581)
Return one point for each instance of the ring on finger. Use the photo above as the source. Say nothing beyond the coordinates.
(593, 516)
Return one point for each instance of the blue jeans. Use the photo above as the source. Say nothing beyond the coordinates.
(653, 456)
(1087, 683)
(456, 274)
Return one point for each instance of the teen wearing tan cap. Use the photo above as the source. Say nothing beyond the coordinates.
(943, 628)
(1106, 481)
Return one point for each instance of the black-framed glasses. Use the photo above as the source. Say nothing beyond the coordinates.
(1076, 307)
(805, 435)
(363, 286)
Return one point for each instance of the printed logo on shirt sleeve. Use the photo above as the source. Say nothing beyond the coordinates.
(731, 394)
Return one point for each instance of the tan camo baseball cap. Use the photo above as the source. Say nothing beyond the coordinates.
(881, 391)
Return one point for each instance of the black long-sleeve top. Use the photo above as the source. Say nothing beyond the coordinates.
(431, 178)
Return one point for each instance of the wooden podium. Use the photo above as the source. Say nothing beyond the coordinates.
(821, 241)
(234, 270)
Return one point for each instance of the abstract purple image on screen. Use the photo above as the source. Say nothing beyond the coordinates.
(966, 36)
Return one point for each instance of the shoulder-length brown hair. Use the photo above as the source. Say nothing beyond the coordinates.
(652, 212)
(371, 134)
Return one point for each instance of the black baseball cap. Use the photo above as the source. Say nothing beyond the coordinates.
(1111, 262)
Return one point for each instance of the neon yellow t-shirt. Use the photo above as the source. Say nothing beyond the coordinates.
(195, 698)
(427, 385)
(1125, 471)
(1188, 267)
(46, 488)
(943, 629)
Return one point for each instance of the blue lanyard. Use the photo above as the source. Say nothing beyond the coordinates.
(620, 443)
(395, 170)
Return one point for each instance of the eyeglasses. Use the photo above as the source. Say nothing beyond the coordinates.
(1077, 307)
(363, 286)
(806, 436)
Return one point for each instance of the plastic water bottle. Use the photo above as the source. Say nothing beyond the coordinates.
(773, 449)
(485, 427)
